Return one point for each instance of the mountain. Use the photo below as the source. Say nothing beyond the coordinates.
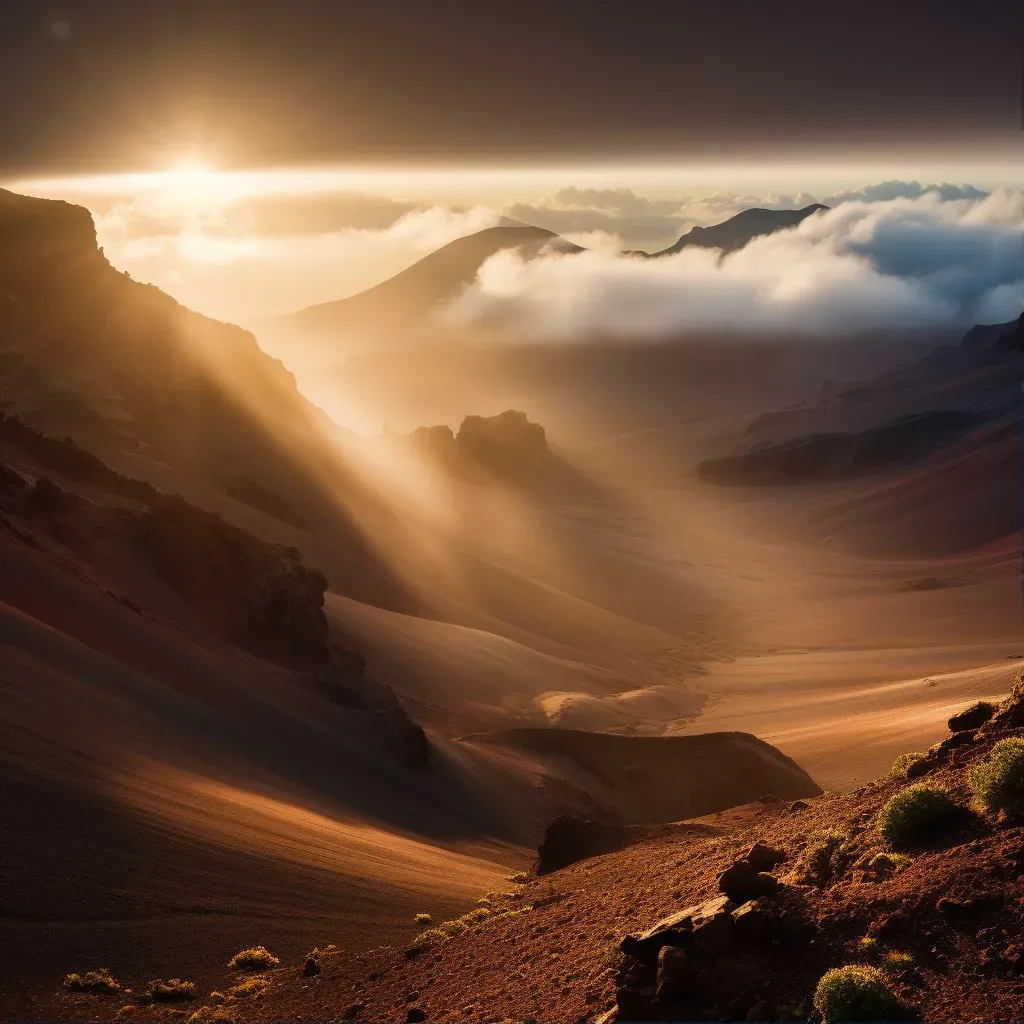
(407, 298)
(128, 373)
(392, 311)
(735, 232)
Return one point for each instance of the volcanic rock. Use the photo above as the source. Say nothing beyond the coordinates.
(741, 883)
(675, 930)
(752, 923)
(713, 926)
(762, 857)
(675, 973)
(972, 718)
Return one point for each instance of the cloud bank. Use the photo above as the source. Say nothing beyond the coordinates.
(868, 264)
(640, 222)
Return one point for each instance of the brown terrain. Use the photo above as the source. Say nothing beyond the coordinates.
(268, 682)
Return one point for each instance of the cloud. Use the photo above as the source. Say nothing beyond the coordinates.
(643, 222)
(895, 189)
(901, 263)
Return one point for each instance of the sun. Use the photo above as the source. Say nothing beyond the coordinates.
(191, 183)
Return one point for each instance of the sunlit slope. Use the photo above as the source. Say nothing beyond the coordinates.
(150, 781)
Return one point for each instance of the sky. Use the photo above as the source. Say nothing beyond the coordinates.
(117, 84)
(252, 157)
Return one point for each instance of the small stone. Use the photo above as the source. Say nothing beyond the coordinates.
(354, 1011)
(762, 857)
(741, 883)
(310, 969)
(415, 1015)
(411, 997)
(798, 805)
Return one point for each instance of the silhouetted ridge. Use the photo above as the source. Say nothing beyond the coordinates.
(737, 231)
(413, 292)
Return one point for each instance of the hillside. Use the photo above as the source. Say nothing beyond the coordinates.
(681, 926)
(401, 303)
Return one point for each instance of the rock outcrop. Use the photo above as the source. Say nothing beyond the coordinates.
(837, 456)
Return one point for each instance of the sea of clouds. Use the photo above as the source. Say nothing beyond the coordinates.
(894, 253)
(877, 259)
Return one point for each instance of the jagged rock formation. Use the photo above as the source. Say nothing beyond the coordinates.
(507, 447)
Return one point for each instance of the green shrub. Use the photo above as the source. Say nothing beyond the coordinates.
(826, 858)
(100, 982)
(902, 765)
(173, 991)
(896, 961)
(998, 782)
(423, 919)
(882, 865)
(857, 993)
(429, 937)
(259, 958)
(915, 814)
(869, 944)
(251, 988)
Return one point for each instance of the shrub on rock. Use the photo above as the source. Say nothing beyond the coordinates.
(99, 982)
(903, 766)
(259, 958)
(857, 993)
(172, 991)
(998, 782)
(973, 717)
(916, 814)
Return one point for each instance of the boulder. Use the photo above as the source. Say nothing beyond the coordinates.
(310, 969)
(713, 926)
(752, 923)
(675, 973)
(674, 930)
(762, 857)
(972, 718)
(741, 883)
(635, 1003)
(569, 839)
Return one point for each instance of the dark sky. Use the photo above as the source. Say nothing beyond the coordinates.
(118, 84)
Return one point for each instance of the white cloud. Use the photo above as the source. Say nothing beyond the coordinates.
(652, 223)
(861, 266)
